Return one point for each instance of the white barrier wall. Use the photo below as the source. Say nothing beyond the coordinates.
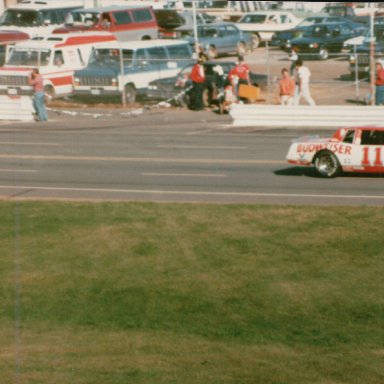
(18, 108)
(248, 115)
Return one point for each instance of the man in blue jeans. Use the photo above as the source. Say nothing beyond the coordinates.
(379, 83)
(36, 81)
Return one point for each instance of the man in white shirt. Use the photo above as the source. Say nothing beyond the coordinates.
(303, 75)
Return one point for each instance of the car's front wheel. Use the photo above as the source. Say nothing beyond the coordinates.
(323, 54)
(327, 164)
(130, 93)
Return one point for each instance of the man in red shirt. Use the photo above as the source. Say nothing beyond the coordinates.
(379, 83)
(239, 74)
(197, 77)
(36, 81)
(287, 88)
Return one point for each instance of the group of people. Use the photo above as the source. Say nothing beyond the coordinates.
(293, 89)
(238, 75)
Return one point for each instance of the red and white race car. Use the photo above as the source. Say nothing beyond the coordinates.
(349, 149)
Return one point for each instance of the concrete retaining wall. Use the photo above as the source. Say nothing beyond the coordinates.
(18, 108)
(248, 115)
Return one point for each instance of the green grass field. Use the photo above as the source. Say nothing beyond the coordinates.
(116, 293)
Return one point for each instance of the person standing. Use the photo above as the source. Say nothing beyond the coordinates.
(293, 57)
(36, 80)
(379, 84)
(287, 88)
(239, 74)
(303, 75)
(198, 79)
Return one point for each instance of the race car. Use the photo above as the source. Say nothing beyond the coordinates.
(357, 149)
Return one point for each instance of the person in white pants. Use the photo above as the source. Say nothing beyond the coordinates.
(303, 75)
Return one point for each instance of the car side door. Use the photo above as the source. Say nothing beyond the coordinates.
(371, 150)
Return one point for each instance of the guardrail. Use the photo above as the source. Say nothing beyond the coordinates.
(248, 115)
(16, 108)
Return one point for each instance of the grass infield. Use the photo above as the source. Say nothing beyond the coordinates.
(116, 293)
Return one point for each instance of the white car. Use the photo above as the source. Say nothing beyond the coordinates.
(263, 24)
(348, 150)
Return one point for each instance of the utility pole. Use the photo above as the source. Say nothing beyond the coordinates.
(372, 72)
(195, 29)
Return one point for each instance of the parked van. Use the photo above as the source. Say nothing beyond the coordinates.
(8, 38)
(130, 67)
(36, 17)
(126, 23)
(56, 56)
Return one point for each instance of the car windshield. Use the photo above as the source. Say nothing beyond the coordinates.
(21, 18)
(207, 32)
(111, 57)
(310, 21)
(85, 18)
(29, 57)
(256, 19)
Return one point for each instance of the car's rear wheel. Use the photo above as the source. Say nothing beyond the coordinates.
(130, 93)
(212, 52)
(323, 54)
(327, 164)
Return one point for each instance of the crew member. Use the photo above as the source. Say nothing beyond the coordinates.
(239, 74)
(198, 78)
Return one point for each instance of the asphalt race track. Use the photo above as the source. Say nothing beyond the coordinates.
(166, 155)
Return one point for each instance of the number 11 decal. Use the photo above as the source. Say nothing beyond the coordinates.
(378, 161)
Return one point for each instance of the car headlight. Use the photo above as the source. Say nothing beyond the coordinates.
(76, 81)
(152, 87)
(352, 59)
(313, 45)
(114, 82)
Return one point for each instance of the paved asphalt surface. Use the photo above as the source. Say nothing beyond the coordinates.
(165, 155)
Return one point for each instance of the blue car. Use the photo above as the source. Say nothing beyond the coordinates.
(218, 39)
(283, 39)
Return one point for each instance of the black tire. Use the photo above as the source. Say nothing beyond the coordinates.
(130, 93)
(327, 165)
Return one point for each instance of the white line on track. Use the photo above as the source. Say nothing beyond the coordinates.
(17, 170)
(141, 159)
(198, 147)
(189, 193)
(183, 174)
(30, 144)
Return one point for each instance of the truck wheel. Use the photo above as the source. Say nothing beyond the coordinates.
(130, 93)
(49, 91)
